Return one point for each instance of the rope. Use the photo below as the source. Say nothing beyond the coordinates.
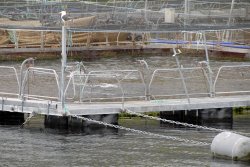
(143, 132)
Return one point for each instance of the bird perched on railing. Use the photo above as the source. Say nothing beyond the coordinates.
(65, 17)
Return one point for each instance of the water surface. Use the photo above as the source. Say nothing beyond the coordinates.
(43, 147)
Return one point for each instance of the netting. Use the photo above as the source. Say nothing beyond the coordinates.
(37, 24)
(131, 15)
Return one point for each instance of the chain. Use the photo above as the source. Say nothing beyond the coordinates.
(28, 119)
(181, 123)
(142, 132)
(173, 122)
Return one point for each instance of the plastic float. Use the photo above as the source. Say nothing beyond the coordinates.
(231, 145)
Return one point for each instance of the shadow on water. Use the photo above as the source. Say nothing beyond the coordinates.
(217, 125)
(220, 118)
(92, 130)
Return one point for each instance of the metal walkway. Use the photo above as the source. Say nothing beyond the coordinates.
(53, 108)
(113, 91)
(159, 105)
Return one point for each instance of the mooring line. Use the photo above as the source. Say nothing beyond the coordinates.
(27, 119)
(182, 123)
(173, 122)
(143, 132)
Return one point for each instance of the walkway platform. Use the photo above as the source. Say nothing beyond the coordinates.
(54, 108)
(159, 105)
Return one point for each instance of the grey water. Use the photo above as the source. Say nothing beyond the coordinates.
(36, 146)
(43, 147)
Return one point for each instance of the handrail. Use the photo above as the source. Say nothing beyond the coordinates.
(131, 71)
(15, 73)
(106, 73)
(41, 71)
(29, 60)
(120, 71)
(119, 77)
(219, 73)
(171, 69)
(174, 70)
(87, 76)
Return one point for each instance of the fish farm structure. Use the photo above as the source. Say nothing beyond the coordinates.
(35, 26)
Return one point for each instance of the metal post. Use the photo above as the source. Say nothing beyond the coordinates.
(42, 40)
(146, 77)
(186, 12)
(113, 12)
(15, 38)
(31, 63)
(146, 8)
(64, 60)
(181, 74)
(205, 45)
(210, 73)
(230, 15)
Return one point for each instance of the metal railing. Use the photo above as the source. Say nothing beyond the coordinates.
(176, 77)
(83, 80)
(41, 71)
(13, 73)
(238, 73)
(160, 84)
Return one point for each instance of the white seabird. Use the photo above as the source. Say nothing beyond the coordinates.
(64, 16)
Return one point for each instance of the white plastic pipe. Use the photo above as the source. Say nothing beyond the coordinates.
(232, 146)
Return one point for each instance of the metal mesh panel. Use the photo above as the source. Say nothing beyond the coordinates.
(127, 14)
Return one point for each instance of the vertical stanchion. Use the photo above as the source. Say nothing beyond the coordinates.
(146, 77)
(64, 60)
(205, 45)
(30, 62)
(181, 74)
(231, 12)
(146, 8)
(186, 13)
(210, 73)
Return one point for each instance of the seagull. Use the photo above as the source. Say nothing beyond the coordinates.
(64, 16)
